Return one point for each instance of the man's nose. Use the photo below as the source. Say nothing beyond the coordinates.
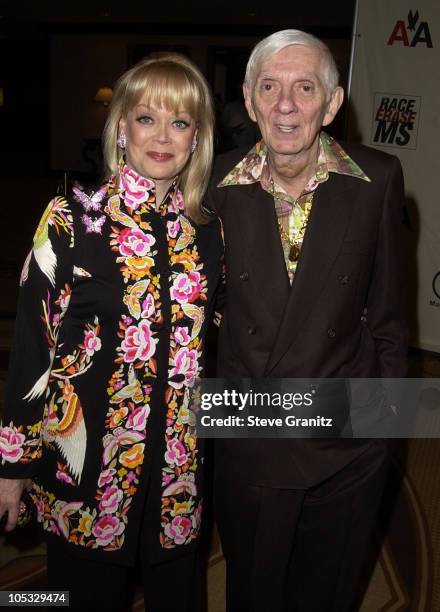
(286, 101)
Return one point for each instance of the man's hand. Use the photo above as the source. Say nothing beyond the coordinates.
(10, 495)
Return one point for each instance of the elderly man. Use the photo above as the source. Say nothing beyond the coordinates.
(313, 290)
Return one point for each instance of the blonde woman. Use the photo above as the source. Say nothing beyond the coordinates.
(115, 296)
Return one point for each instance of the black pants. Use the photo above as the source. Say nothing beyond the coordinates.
(168, 587)
(300, 550)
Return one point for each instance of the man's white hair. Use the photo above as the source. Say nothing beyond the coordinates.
(278, 41)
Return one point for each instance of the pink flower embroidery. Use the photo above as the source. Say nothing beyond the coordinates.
(166, 479)
(11, 444)
(39, 505)
(106, 476)
(64, 477)
(134, 242)
(138, 342)
(173, 228)
(91, 342)
(175, 454)
(197, 517)
(177, 204)
(148, 307)
(179, 529)
(136, 188)
(186, 287)
(110, 500)
(186, 364)
(181, 336)
(106, 529)
(138, 418)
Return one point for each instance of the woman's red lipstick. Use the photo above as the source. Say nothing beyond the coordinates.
(160, 157)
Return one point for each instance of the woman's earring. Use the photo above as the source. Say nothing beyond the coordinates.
(122, 140)
(194, 145)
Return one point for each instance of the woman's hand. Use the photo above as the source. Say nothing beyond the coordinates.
(10, 495)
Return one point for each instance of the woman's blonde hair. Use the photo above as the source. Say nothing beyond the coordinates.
(171, 81)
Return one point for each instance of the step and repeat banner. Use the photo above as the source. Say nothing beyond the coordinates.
(395, 107)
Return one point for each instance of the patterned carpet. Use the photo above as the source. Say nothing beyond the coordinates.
(404, 570)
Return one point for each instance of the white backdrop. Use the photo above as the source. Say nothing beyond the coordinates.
(395, 107)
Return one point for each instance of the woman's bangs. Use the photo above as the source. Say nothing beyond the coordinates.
(166, 86)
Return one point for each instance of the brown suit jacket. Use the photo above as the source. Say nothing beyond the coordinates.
(343, 316)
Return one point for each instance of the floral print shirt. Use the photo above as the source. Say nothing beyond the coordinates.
(293, 214)
(115, 295)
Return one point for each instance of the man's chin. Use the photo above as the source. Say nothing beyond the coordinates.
(287, 149)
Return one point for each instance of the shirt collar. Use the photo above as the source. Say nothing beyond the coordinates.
(254, 166)
(139, 192)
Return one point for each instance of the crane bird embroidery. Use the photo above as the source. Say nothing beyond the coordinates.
(69, 435)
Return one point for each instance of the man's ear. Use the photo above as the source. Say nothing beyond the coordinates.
(333, 105)
(248, 102)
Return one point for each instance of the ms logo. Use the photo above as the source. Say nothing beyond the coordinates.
(410, 34)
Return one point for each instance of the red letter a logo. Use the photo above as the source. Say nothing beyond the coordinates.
(399, 33)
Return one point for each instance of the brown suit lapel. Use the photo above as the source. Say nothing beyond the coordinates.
(329, 219)
(264, 253)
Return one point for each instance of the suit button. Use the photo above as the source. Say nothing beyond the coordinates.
(331, 333)
(244, 276)
(251, 330)
(343, 279)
